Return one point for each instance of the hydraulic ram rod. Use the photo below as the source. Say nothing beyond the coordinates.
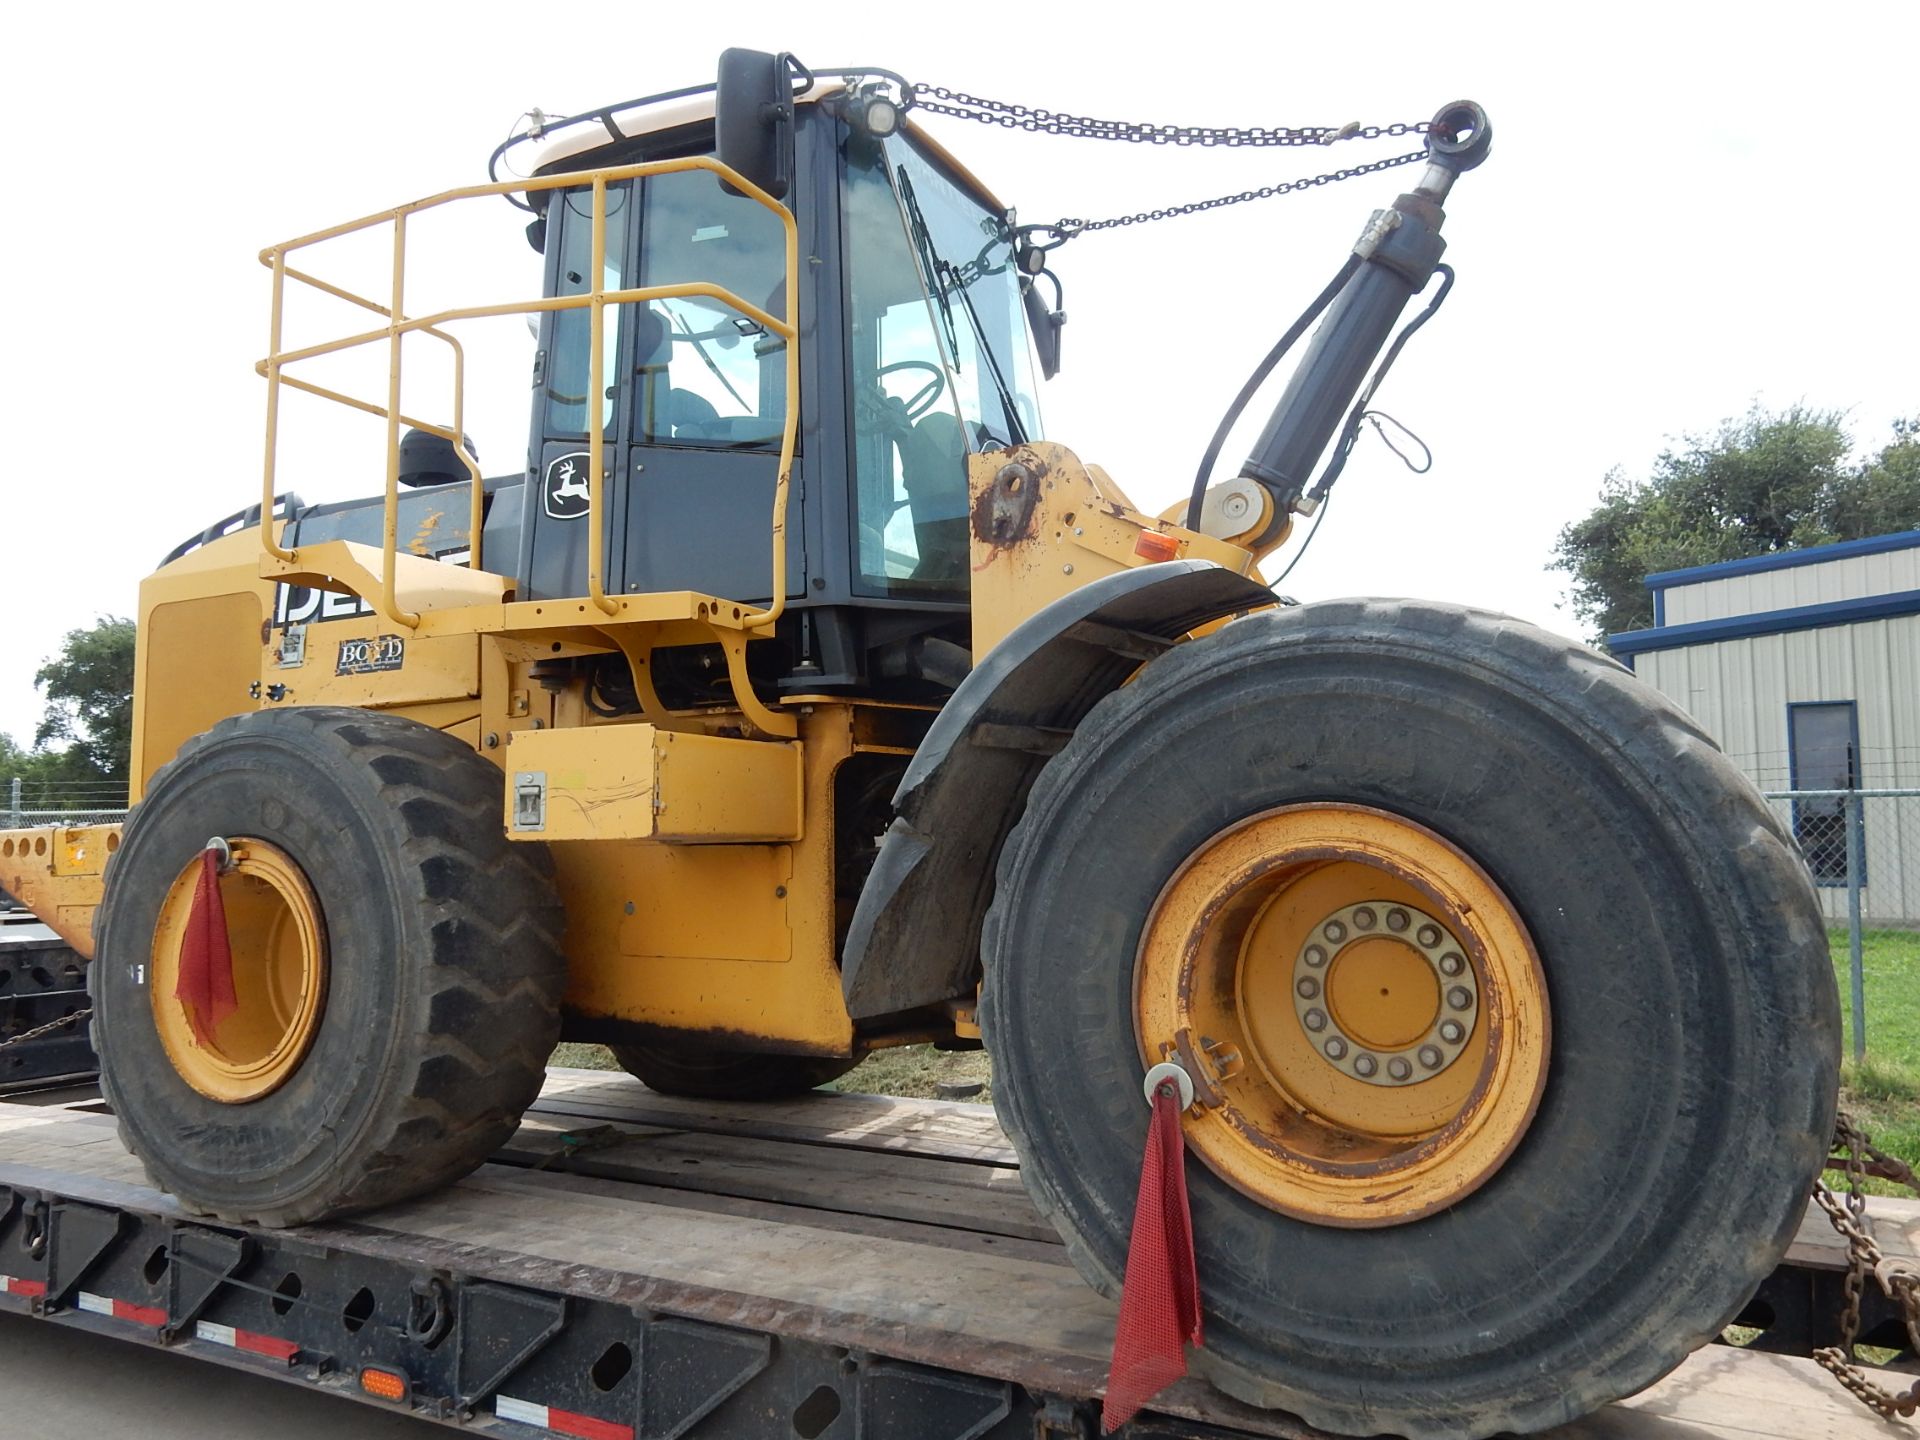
(1398, 253)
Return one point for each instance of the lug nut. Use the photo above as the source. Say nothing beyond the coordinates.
(1430, 1055)
(1398, 920)
(1460, 998)
(1428, 935)
(1334, 931)
(1365, 919)
(1451, 1032)
(1336, 1048)
(1316, 957)
(1365, 1065)
(1398, 1068)
(1451, 963)
(1314, 1020)
(1308, 987)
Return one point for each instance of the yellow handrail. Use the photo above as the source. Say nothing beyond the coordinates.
(595, 300)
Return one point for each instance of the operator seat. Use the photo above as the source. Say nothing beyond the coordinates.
(666, 412)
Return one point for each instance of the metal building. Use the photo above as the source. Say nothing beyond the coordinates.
(1805, 666)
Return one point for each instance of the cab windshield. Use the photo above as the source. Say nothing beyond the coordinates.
(941, 362)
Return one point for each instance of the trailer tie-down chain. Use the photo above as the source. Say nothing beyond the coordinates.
(1897, 1276)
(938, 100)
(47, 1029)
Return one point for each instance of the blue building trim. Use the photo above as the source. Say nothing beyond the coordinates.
(1785, 559)
(1766, 622)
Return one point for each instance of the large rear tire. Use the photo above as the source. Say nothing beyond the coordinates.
(700, 1072)
(396, 961)
(1647, 1164)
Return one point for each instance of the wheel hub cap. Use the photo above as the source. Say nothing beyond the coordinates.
(1385, 994)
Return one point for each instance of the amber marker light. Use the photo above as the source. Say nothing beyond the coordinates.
(383, 1384)
(1155, 546)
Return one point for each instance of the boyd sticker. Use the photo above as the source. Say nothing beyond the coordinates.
(372, 654)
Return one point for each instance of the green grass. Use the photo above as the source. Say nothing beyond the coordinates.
(583, 1057)
(1883, 1092)
(917, 1070)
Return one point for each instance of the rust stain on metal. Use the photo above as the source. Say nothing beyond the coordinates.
(1204, 1090)
(1004, 513)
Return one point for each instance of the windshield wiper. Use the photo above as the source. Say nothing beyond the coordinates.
(944, 278)
(930, 262)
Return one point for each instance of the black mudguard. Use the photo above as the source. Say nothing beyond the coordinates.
(915, 939)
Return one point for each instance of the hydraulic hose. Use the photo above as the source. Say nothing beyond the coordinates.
(1259, 378)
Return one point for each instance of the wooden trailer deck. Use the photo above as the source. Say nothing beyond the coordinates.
(895, 1228)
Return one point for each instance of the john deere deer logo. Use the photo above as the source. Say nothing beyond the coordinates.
(564, 493)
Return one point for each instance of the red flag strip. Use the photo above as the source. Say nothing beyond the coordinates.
(205, 987)
(1160, 1297)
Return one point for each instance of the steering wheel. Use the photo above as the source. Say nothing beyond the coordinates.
(928, 395)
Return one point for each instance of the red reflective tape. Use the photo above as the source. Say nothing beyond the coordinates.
(139, 1314)
(264, 1345)
(585, 1426)
(33, 1289)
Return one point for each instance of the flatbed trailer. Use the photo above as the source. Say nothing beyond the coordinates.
(636, 1267)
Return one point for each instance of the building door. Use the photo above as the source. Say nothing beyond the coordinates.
(1823, 753)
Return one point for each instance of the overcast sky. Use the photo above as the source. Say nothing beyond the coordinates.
(1689, 209)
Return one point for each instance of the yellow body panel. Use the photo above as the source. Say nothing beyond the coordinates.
(197, 649)
(736, 940)
(637, 782)
(1043, 524)
(55, 872)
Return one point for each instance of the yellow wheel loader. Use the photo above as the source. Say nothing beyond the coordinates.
(798, 698)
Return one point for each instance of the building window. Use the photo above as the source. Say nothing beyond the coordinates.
(1823, 751)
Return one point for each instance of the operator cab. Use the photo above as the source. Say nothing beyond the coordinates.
(914, 352)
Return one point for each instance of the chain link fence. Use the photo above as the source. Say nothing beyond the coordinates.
(1863, 847)
(27, 802)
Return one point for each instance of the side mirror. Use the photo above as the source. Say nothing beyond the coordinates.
(753, 118)
(1044, 323)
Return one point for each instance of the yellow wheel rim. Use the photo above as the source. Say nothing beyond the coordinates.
(1360, 1007)
(279, 945)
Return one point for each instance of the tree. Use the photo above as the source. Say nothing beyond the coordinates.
(1763, 483)
(1885, 493)
(89, 690)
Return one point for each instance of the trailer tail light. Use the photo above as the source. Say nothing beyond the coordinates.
(383, 1384)
(1153, 545)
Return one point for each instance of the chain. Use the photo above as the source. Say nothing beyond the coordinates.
(1898, 1278)
(962, 106)
(1068, 228)
(48, 1028)
(941, 101)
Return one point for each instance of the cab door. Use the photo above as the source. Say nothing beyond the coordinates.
(708, 398)
(692, 404)
(554, 558)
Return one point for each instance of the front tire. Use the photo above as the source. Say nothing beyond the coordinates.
(1690, 1086)
(396, 961)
